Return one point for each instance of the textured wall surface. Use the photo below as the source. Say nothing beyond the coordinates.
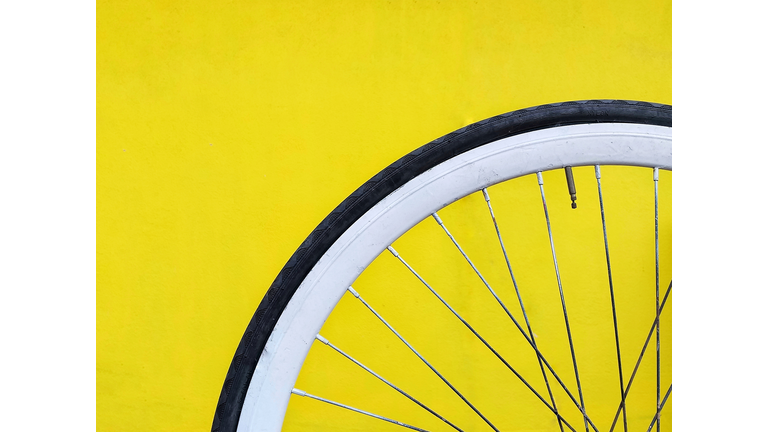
(227, 130)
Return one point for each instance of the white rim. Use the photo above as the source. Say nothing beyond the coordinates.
(604, 143)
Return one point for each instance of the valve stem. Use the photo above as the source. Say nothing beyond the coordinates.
(571, 185)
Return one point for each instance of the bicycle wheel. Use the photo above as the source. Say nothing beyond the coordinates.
(270, 355)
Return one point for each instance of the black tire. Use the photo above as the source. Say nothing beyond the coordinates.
(262, 323)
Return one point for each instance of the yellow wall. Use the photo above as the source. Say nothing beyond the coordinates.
(227, 130)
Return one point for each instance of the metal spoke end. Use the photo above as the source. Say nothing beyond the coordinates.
(298, 392)
(354, 293)
(571, 185)
(437, 219)
(393, 251)
(322, 339)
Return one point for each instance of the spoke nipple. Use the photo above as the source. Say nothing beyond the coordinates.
(655, 174)
(299, 392)
(394, 252)
(322, 339)
(437, 218)
(597, 172)
(485, 194)
(540, 178)
(354, 293)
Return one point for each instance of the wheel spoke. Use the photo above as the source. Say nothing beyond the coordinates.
(658, 324)
(340, 351)
(613, 300)
(562, 296)
(509, 314)
(305, 394)
(522, 307)
(357, 295)
(640, 358)
(471, 329)
(657, 417)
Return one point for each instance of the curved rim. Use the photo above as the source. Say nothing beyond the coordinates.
(527, 121)
(512, 157)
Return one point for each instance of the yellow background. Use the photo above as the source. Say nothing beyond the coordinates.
(226, 131)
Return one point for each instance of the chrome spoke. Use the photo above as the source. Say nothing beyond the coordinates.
(522, 307)
(445, 303)
(311, 396)
(562, 297)
(357, 295)
(658, 325)
(340, 351)
(657, 417)
(613, 300)
(509, 314)
(640, 358)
